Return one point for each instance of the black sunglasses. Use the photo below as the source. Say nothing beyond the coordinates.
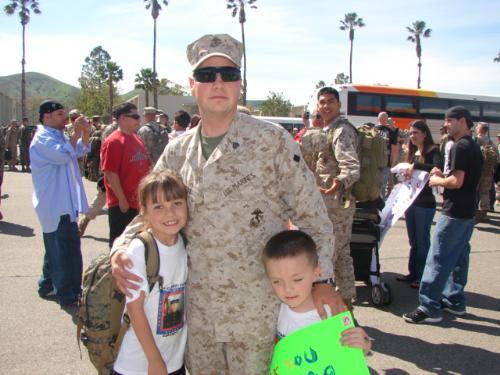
(209, 74)
(134, 116)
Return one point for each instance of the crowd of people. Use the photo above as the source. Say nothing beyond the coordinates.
(232, 186)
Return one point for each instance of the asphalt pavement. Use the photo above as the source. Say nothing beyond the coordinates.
(38, 337)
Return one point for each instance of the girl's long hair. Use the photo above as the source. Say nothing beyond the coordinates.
(428, 141)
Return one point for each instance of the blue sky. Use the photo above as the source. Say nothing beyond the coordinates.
(291, 45)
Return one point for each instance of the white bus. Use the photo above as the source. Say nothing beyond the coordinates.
(287, 122)
(362, 103)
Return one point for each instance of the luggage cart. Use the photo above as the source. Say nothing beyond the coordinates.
(365, 243)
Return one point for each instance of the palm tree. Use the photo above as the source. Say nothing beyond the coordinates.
(497, 59)
(341, 78)
(24, 14)
(351, 21)
(145, 80)
(155, 12)
(238, 7)
(111, 73)
(417, 31)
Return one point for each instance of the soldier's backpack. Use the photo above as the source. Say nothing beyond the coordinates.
(372, 153)
(489, 162)
(100, 327)
(92, 158)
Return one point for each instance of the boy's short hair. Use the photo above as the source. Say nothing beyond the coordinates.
(328, 91)
(123, 109)
(290, 243)
(182, 118)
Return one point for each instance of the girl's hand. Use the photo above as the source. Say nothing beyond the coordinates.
(157, 367)
(407, 174)
(356, 338)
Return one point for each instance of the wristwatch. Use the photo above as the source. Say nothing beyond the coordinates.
(328, 281)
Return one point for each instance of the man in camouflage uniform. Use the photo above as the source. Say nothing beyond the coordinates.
(245, 178)
(488, 170)
(26, 135)
(331, 153)
(155, 137)
(11, 141)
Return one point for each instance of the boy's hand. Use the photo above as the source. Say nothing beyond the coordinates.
(324, 294)
(157, 367)
(356, 338)
(123, 278)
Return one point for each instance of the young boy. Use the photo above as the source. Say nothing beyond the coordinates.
(291, 262)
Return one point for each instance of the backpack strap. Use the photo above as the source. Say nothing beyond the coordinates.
(152, 256)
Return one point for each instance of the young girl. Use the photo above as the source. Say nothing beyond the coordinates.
(424, 155)
(155, 345)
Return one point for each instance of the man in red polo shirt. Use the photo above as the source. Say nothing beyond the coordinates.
(125, 162)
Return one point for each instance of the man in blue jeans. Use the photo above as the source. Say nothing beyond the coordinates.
(445, 274)
(58, 197)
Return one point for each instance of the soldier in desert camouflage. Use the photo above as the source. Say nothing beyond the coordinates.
(331, 153)
(154, 135)
(245, 178)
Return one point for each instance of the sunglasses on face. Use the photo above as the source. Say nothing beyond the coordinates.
(134, 116)
(209, 74)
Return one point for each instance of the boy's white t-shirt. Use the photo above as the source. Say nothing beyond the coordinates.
(165, 310)
(290, 321)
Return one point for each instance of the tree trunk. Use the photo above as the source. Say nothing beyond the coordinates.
(419, 70)
(23, 76)
(350, 55)
(419, 55)
(147, 97)
(110, 95)
(155, 89)
(244, 65)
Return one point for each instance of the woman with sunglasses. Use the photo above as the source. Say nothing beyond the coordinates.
(424, 155)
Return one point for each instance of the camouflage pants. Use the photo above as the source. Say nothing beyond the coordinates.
(344, 270)
(484, 194)
(96, 206)
(206, 356)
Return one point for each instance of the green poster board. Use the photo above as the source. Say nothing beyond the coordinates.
(316, 350)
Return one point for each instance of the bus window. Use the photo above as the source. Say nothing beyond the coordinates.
(364, 104)
(400, 106)
(431, 108)
(491, 112)
(473, 107)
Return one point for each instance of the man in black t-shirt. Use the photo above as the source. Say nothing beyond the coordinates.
(450, 248)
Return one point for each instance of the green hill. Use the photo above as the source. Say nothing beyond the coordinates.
(38, 85)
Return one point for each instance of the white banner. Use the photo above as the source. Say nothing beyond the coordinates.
(401, 197)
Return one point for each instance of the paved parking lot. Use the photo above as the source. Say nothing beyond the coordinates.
(37, 337)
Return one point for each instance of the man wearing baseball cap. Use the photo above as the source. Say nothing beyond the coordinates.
(445, 274)
(245, 178)
(58, 198)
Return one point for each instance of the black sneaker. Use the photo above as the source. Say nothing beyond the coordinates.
(418, 316)
(451, 310)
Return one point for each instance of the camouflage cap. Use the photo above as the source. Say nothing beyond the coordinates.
(74, 113)
(214, 45)
(149, 110)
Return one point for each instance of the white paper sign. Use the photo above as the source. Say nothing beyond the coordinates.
(401, 197)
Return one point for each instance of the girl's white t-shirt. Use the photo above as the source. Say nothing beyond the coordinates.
(290, 321)
(165, 309)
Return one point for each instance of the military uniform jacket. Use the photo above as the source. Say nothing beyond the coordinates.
(155, 138)
(254, 181)
(332, 153)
